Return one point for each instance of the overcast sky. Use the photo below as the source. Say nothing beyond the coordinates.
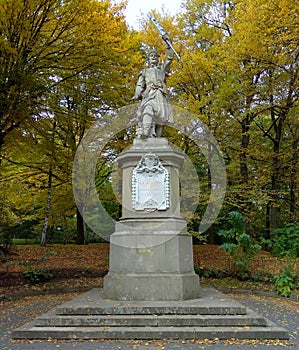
(136, 7)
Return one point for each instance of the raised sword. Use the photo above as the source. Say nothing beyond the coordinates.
(164, 35)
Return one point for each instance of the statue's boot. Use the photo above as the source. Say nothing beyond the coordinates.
(146, 131)
(159, 129)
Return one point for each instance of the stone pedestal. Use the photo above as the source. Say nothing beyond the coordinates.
(151, 255)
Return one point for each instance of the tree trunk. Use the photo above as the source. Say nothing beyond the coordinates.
(275, 174)
(44, 237)
(65, 236)
(49, 189)
(293, 182)
(80, 238)
(274, 193)
(267, 222)
(1, 145)
(245, 203)
(212, 236)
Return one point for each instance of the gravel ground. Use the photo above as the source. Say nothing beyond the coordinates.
(282, 311)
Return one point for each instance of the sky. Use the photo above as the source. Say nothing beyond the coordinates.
(136, 7)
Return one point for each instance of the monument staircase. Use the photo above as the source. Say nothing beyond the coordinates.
(90, 316)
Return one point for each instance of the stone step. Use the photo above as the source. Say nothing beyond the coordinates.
(90, 316)
(152, 310)
(211, 302)
(51, 319)
(269, 332)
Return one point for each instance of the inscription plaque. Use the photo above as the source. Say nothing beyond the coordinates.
(150, 184)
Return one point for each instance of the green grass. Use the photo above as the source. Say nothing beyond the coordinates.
(24, 241)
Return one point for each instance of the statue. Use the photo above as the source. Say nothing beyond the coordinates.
(154, 110)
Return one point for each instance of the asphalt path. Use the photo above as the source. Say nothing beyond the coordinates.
(282, 311)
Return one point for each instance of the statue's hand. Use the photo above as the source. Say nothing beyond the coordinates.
(166, 39)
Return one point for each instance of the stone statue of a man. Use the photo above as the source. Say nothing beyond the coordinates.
(154, 110)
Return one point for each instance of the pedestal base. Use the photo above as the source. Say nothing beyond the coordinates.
(151, 287)
(149, 271)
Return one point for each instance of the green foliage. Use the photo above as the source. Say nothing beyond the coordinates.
(34, 273)
(198, 237)
(197, 270)
(286, 281)
(284, 241)
(239, 244)
(263, 275)
(61, 234)
(211, 272)
(229, 80)
(6, 234)
(63, 64)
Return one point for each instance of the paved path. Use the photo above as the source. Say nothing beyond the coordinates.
(282, 311)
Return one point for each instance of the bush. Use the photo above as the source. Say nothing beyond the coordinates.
(284, 242)
(286, 282)
(6, 235)
(239, 244)
(210, 272)
(26, 230)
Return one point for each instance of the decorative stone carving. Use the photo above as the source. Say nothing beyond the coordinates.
(150, 184)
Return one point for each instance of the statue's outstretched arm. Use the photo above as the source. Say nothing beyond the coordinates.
(169, 56)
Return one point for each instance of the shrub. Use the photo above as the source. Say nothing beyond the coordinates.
(284, 241)
(210, 272)
(6, 235)
(286, 281)
(239, 244)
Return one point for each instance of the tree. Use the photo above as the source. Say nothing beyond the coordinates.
(272, 45)
(44, 43)
(77, 56)
(240, 76)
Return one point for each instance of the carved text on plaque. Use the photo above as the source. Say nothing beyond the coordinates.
(150, 184)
